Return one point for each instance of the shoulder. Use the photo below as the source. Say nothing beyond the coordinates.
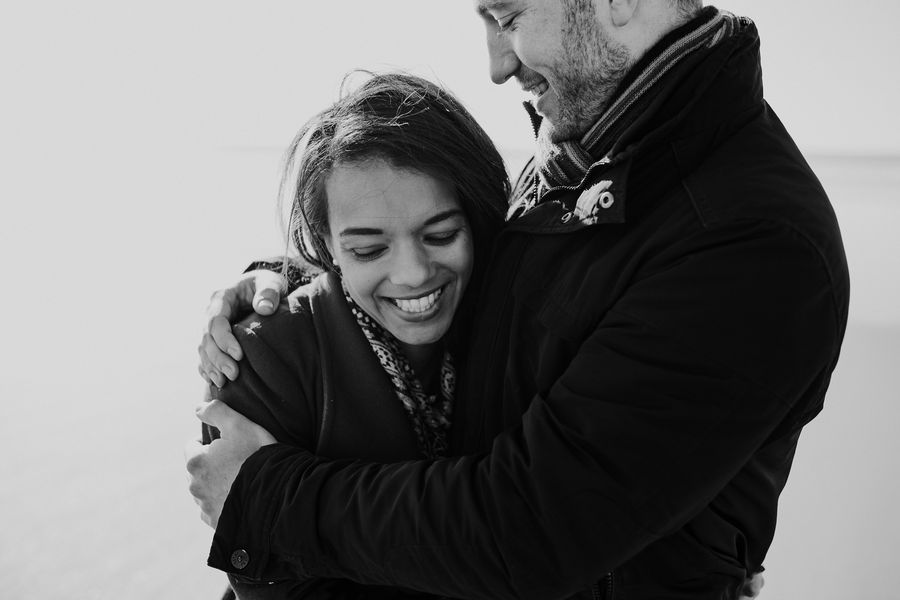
(309, 322)
(757, 184)
(295, 316)
(758, 173)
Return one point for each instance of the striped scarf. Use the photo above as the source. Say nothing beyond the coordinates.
(428, 414)
(570, 160)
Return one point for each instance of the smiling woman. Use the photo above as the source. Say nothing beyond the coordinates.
(396, 194)
(404, 249)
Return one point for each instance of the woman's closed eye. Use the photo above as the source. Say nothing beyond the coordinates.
(442, 238)
(367, 252)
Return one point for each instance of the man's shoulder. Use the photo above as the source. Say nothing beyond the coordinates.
(760, 175)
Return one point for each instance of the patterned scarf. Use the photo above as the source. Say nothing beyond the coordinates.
(429, 416)
(570, 160)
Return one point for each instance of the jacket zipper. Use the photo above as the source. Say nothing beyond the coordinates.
(597, 593)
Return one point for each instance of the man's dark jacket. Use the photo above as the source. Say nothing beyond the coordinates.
(634, 390)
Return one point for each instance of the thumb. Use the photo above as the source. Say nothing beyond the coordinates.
(270, 286)
(218, 414)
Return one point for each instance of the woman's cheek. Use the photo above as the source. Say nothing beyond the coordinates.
(361, 279)
(465, 259)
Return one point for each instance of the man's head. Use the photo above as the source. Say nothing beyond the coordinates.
(572, 54)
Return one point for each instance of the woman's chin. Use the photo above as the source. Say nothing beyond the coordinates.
(421, 334)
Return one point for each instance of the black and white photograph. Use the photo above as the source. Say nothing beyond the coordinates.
(482, 299)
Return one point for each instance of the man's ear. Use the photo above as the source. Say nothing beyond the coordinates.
(622, 11)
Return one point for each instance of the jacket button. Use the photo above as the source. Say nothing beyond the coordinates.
(240, 559)
(606, 199)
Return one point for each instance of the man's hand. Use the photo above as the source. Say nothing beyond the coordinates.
(753, 586)
(213, 468)
(219, 351)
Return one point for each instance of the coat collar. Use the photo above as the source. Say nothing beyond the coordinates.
(702, 101)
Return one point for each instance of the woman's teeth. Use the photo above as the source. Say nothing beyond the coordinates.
(418, 305)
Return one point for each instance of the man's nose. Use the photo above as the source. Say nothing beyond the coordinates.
(412, 266)
(502, 59)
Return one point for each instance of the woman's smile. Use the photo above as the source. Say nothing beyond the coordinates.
(421, 307)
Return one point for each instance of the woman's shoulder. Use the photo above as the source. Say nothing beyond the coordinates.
(316, 310)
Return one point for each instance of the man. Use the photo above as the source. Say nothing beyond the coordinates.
(665, 308)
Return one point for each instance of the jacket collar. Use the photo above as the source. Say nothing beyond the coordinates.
(697, 105)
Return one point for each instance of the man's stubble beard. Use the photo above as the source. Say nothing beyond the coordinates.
(588, 75)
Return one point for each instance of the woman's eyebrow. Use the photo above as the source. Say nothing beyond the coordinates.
(360, 231)
(441, 216)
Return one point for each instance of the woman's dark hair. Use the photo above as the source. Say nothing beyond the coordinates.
(409, 123)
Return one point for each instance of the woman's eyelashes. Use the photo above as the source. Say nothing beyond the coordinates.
(367, 253)
(442, 238)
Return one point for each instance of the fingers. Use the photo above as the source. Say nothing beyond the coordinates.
(219, 330)
(226, 306)
(219, 349)
(233, 426)
(270, 287)
(753, 586)
(194, 453)
(206, 517)
(221, 416)
(215, 366)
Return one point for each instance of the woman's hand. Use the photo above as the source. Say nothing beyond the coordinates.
(214, 467)
(219, 351)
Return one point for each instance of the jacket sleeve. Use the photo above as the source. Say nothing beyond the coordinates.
(278, 378)
(697, 364)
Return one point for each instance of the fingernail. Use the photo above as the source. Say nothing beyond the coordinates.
(265, 305)
(229, 371)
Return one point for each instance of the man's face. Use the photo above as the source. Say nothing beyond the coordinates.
(561, 52)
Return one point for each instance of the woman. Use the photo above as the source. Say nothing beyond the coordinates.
(396, 196)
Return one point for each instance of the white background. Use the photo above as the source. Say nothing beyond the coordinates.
(139, 154)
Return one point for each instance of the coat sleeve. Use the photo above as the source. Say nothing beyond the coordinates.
(666, 400)
(278, 377)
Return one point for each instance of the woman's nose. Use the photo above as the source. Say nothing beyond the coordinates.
(412, 267)
(502, 59)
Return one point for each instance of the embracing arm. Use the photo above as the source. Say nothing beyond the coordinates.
(259, 289)
(664, 403)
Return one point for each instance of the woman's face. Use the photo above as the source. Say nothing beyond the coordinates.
(403, 245)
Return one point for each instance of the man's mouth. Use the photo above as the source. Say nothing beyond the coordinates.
(419, 304)
(537, 88)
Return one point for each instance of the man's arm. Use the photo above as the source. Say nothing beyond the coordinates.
(260, 289)
(651, 420)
